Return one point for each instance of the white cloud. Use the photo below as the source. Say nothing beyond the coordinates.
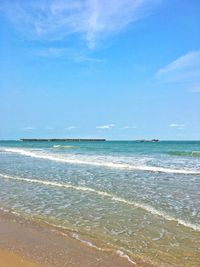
(29, 128)
(108, 126)
(60, 52)
(80, 59)
(184, 63)
(195, 88)
(184, 70)
(69, 128)
(52, 52)
(129, 127)
(92, 19)
(179, 126)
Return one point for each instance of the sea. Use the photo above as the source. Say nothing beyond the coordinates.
(139, 199)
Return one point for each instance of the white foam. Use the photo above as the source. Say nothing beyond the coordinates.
(145, 207)
(53, 157)
(90, 244)
(123, 255)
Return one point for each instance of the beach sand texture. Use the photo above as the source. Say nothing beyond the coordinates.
(11, 259)
(27, 244)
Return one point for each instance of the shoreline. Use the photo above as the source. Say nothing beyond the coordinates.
(39, 245)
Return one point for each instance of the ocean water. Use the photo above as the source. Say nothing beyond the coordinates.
(141, 200)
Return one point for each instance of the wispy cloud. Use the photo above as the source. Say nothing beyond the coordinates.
(72, 127)
(29, 128)
(107, 126)
(128, 127)
(184, 70)
(92, 19)
(179, 126)
(66, 53)
(195, 88)
(80, 59)
(183, 63)
(52, 52)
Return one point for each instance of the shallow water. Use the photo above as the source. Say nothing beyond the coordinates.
(140, 198)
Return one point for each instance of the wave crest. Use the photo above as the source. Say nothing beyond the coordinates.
(57, 158)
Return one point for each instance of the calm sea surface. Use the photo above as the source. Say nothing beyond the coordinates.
(141, 199)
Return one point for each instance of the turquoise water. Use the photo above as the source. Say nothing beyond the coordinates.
(138, 198)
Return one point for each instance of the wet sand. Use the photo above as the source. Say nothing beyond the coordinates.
(26, 243)
(11, 259)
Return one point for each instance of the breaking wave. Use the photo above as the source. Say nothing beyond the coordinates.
(128, 166)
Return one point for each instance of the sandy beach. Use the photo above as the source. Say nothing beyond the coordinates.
(25, 243)
(11, 259)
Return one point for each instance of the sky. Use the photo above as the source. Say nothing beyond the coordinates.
(117, 69)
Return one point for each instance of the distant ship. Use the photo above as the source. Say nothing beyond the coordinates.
(152, 140)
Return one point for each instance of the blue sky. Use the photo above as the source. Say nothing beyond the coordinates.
(118, 69)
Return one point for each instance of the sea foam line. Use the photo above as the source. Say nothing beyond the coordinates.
(51, 157)
(145, 207)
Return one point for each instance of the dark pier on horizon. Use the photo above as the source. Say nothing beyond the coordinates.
(62, 139)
